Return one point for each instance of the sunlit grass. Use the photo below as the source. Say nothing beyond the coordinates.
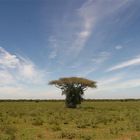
(108, 120)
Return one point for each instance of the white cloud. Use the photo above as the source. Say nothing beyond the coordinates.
(109, 80)
(117, 82)
(86, 71)
(133, 83)
(84, 34)
(54, 47)
(89, 66)
(115, 87)
(30, 92)
(15, 69)
(53, 54)
(19, 77)
(71, 38)
(131, 62)
(10, 90)
(118, 47)
(6, 78)
(8, 60)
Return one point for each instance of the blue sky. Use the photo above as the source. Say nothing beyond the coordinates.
(42, 40)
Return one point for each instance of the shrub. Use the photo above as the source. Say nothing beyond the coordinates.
(40, 136)
(86, 137)
(55, 127)
(37, 121)
(67, 135)
(81, 125)
(9, 131)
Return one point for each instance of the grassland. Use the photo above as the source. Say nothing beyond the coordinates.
(96, 120)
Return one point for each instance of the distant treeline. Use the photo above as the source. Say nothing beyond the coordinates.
(60, 100)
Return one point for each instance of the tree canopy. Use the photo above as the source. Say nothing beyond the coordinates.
(76, 81)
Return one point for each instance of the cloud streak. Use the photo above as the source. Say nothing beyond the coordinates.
(115, 87)
(129, 63)
(53, 44)
(118, 85)
(90, 13)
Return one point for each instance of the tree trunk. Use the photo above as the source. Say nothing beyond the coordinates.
(70, 100)
(70, 105)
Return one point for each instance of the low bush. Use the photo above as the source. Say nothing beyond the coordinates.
(37, 121)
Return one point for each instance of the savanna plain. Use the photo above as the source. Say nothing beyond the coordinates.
(50, 120)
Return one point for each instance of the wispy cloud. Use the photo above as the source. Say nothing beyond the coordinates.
(86, 71)
(129, 63)
(118, 47)
(115, 86)
(90, 13)
(109, 80)
(101, 57)
(54, 47)
(7, 60)
(16, 69)
(19, 76)
(120, 84)
(117, 89)
(86, 18)
(6, 78)
(90, 65)
(96, 61)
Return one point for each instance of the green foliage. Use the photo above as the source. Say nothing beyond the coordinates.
(77, 81)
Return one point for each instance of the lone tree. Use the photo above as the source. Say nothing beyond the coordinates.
(73, 88)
